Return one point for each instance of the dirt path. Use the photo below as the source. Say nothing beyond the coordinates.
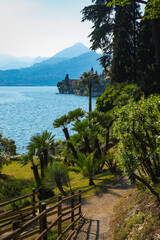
(98, 211)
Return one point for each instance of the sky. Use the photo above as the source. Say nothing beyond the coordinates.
(41, 27)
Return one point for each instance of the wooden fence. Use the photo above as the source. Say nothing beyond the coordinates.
(62, 210)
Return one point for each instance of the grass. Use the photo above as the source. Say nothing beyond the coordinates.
(137, 217)
(77, 180)
(17, 171)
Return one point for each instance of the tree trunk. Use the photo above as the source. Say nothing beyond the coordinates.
(42, 166)
(45, 154)
(87, 146)
(90, 97)
(107, 139)
(91, 183)
(43, 193)
(98, 151)
(61, 189)
(156, 39)
(70, 145)
(36, 174)
(148, 186)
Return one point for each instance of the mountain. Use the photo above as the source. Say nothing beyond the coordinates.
(52, 70)
(39, 60)
(70, 52)
(74, 51)
(11, 62)
(8, 62)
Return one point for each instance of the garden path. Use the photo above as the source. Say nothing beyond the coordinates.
(98, 212)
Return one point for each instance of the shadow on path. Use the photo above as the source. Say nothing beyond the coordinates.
(89, 229)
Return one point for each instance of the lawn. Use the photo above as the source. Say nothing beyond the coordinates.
(77, 181)
(18, 171)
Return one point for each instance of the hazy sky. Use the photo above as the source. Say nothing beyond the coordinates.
(41, 27)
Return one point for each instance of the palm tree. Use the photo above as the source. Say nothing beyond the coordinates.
(82, 127)
(40, 145)
(87, 78)
(63, 122)
(76, 114)
(56, 176)
(105, 120)
(87, 166)
(29, 158)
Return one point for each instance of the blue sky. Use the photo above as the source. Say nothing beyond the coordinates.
(41, 27)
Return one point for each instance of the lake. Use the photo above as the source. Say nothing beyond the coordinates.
(26, 111)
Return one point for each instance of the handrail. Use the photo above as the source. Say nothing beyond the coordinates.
(42, 219)
(11, 200)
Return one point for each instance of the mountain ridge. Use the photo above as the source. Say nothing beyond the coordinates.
(49, 72)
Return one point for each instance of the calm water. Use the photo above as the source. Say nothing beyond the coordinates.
(26, 111)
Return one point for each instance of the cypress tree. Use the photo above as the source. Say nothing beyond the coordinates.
(123, 68)
(148, 72)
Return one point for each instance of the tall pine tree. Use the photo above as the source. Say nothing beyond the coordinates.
(148, 72)
(123, 67)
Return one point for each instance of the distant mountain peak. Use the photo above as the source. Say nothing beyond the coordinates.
(73, 51)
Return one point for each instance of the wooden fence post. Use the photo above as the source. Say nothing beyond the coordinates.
(72, 214)
(43, 221)
(59, 213)
(15, 225)
(40, 222)
(80, 201)
(33, 201)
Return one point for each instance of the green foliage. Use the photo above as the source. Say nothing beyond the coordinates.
(110, 160)
(124, 44)
(62, 121)
(7, 149)
(117, 96)
(102, 31)
(39, 149)
(137, 129)
(146, 64)
(105, 102)
(14, 188)
(87, 165)
(41, 142)
(152, 7)
(76, 114)
(136, 227)
(56, 176)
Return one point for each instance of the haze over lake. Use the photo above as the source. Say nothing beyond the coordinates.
(26, 111)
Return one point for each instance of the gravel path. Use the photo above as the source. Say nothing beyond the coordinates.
(98, 212)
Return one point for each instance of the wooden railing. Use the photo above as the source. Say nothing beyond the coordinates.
(7, 217)
(66, 210)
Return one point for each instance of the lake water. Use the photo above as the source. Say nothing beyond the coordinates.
(25, 111)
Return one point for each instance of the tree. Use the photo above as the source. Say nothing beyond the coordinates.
(82, 127)
(152, 12)
(146, 63)
(56, 176)
(63, 122)
(7, 149)
(41, 143)
(67, 80)
(123, 65)
(87, 78)
(137, 129)
(106, 101)
(101, 37)
(39, 146)
(76, 114)
(87, 166)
